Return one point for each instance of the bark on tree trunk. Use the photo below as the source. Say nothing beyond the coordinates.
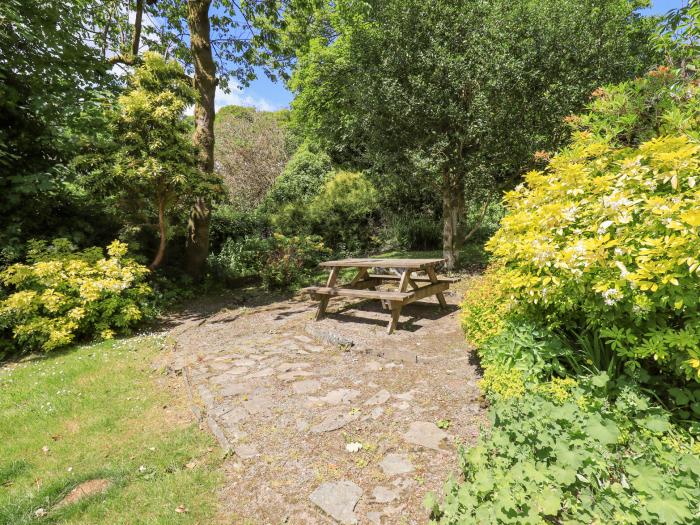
(158, 260)
(205, 83)
(452, 197)
(136, 40)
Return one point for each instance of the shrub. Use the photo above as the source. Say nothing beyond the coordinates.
(231, 223)
(569, 455)
(523, 346)
(343, 213)
(61, 294)
(279, 261)
(414, 232)
(301, 180)
(484, 308)
(607, 237)
(345, 210)
(290, 261)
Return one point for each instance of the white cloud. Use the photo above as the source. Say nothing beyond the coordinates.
(236, 97)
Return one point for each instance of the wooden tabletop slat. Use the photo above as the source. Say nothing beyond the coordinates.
(382, 263)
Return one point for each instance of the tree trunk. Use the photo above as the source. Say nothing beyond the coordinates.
(452, 197)
(158, 260)
(136, 39)
(204, 113)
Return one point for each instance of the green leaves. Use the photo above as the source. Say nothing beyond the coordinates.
(576, 462)
(657, 423)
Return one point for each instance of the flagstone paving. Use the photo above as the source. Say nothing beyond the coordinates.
(280, 393)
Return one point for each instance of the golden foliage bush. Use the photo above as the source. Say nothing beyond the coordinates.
(62, 294)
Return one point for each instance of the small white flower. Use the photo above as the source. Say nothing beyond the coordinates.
(353, 447)
(611, 296)
(604, 226)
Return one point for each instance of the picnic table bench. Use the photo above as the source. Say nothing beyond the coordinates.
(396, 271)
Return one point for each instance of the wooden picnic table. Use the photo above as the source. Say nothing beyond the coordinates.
(396, 271)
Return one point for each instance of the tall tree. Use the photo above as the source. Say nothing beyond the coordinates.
(252, 149)
(154, 157)
(467, 90)
(218, 42)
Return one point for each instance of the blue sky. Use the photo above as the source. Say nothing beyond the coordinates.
(267, 95)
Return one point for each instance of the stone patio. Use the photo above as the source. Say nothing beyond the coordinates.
(331, 421)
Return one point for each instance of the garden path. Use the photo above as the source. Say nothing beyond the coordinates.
(291, 398)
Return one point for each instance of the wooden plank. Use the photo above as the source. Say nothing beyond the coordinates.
(352, 292)
(403, 282)
(433, 278)
(324, 300)
(360, 276)
(414, 264)
(390, 277)
(397, 305)
(395, 314)
(426, 291)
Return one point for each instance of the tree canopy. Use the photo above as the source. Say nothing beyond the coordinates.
(466, 89)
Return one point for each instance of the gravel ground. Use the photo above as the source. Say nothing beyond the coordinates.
(331, 421)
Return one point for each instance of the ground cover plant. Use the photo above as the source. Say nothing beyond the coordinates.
(586, 325)
(100, 412)
(567, 453)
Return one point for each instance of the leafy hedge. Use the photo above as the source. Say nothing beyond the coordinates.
(343, 212)
(62, 294)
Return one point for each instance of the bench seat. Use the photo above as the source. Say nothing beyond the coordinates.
(365, 294)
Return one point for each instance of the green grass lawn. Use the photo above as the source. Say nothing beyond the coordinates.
(101, 412)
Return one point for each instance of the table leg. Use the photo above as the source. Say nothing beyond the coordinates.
(433, 279)
(395, 314)
(397, 305)
(411, 282)
(324, 300)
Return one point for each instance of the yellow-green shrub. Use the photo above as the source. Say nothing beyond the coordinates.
(62, 294)
(484, 308)
(608, 235)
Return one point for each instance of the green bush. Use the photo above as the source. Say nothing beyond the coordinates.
(413, 232)
(566, 454)
(279, 261)
(343, 213)
(301, 180)
(523, 346)
(607, 237)
(230, 223)
(62, 294)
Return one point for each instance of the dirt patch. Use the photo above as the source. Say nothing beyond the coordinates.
(315, 428)
(84, 490)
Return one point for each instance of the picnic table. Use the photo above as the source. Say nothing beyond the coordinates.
(403, 272)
